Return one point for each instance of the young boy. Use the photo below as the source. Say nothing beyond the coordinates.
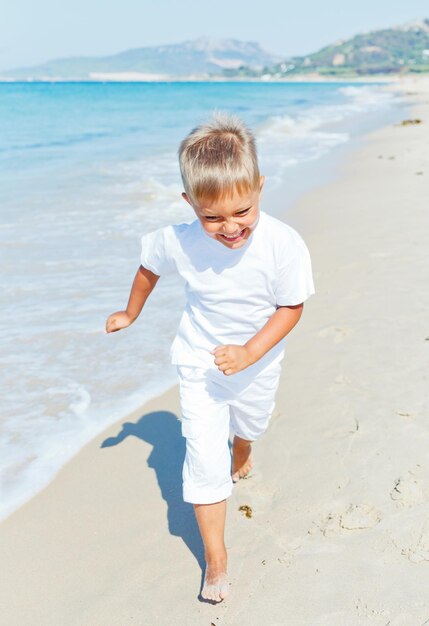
(247, 275)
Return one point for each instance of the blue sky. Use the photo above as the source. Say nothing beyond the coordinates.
(33, 31)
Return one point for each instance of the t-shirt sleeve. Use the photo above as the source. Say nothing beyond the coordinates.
(295, 277)
(156, 254)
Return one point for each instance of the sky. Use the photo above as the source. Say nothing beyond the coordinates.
(32, 32)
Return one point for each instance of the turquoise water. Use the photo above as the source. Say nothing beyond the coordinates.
(85, 170)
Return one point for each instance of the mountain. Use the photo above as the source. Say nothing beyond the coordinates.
(402, 49)
(199, 57)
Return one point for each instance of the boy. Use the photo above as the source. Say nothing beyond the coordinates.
(247, 275)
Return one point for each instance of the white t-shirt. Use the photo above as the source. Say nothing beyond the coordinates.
(231, 293)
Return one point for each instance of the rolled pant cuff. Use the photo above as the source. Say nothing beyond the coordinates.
(206, 496)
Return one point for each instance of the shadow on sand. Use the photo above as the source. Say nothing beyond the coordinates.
(162, 430)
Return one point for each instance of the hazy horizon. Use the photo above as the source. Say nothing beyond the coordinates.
(33, 34)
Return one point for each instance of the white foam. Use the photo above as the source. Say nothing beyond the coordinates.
(368, 95)
(32, 456)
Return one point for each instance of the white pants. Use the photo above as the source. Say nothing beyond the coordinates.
(212, 404)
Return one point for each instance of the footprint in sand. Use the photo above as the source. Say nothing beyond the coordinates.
(343, 433)
(256, 493)
(409, 490)
(275, 414)
(329, 525)
(360, 517)
(355, 517)
(379, 255)
(419, 550)
(338, 334)
(341, 379)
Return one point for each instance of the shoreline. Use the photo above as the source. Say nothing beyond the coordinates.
(292, 183)
(301, 78)
(94, 521)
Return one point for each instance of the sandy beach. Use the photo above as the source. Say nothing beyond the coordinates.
(339, 531)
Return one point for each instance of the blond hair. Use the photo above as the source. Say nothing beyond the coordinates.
(218, 158)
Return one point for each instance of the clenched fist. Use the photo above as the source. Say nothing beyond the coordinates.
(117, 321)
(231, 359)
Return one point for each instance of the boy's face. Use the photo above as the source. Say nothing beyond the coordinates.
(230, 220)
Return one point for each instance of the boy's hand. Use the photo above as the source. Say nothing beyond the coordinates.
(118, 320)
(231, 359)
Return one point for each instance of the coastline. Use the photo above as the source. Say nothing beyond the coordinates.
(104, 547)
(135, 77)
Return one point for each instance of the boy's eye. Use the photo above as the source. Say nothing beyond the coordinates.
(212, 218)
(243, 212)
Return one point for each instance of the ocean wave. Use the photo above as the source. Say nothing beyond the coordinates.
(373, 95)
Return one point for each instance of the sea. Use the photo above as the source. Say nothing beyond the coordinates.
(85, 170)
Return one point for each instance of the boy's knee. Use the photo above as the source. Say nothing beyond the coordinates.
(206, 487)
(239, 442)
(206, 473)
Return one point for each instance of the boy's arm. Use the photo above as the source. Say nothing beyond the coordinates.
(231, 359)
(143, 284)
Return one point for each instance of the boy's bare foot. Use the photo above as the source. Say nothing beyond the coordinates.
(215, 586)
(241, 458)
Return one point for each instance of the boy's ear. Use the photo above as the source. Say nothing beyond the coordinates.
(261, 183)
(185, 197)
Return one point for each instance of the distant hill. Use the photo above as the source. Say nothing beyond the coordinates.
(400, 49)
(200, 57)
(392, 50)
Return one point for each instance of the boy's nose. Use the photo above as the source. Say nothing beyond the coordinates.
(230, 228)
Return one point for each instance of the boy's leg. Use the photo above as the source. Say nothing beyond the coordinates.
(205, 425)
(207, 470)
(241, 458)
(251, 410)
(211, 522)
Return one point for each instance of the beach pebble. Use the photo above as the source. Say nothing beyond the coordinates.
(410, 122)
(247, 510)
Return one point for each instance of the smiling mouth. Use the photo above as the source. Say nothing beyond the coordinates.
(232, 238)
